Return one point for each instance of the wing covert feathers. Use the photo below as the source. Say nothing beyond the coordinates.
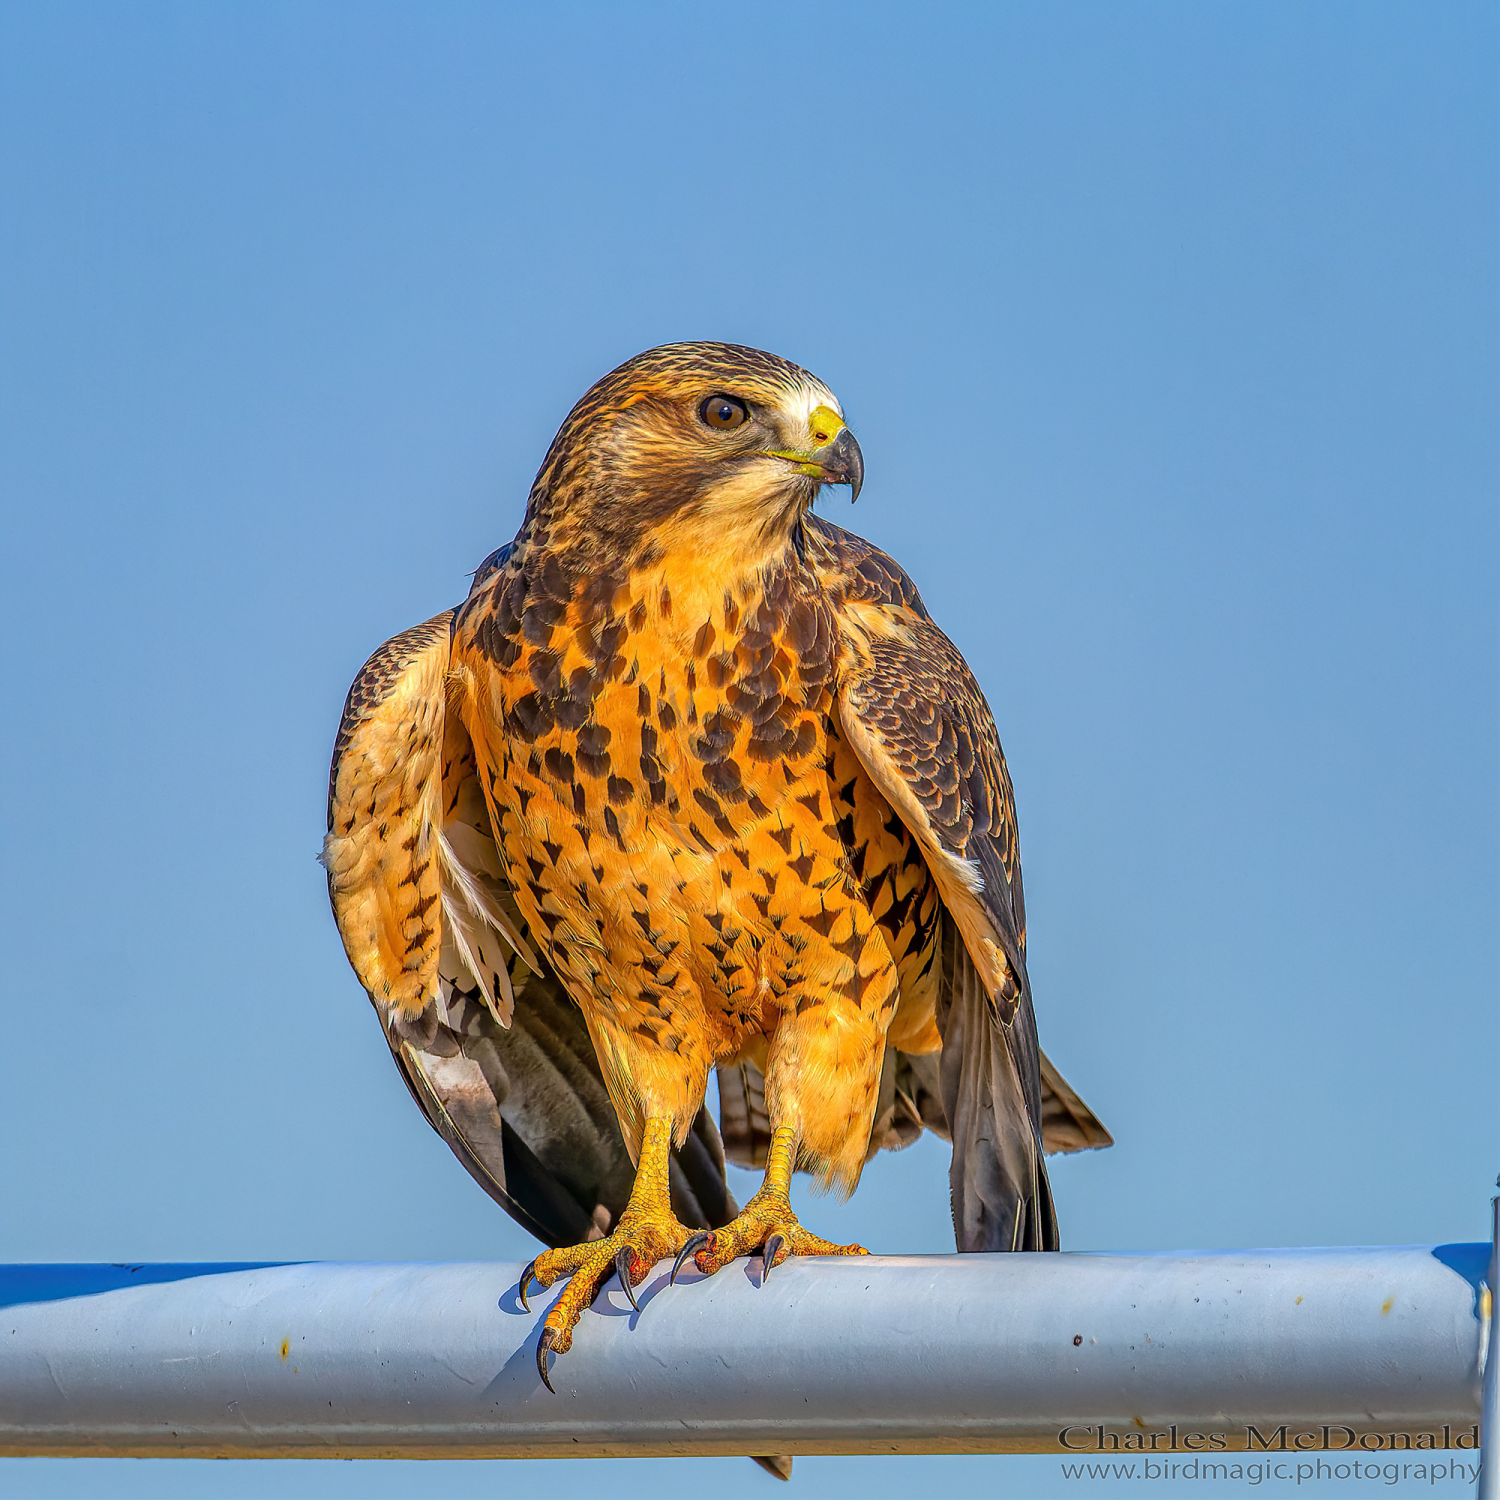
(916, 719)
(383, 813)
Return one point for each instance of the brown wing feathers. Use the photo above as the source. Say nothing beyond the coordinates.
(1001, 1198)
(914, 715)
(380, 852)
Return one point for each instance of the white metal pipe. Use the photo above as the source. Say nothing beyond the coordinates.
(1489, 1474)
(1295, 1350)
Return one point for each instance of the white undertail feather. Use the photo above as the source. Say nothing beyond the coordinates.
(486, 978)
(475, 919)
(471, 863)
(965, 871)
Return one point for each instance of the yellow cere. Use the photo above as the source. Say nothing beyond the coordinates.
(825, 424)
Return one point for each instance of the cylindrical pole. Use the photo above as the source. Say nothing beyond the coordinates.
(1175, 1359)
(1489, 1419)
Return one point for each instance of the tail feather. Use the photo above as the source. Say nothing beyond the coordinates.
(989, 1076)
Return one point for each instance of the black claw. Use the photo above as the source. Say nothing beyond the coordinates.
(622, 1270)
(695, 1242)
(768, 1255)
(527, 1277)
(543, 1348)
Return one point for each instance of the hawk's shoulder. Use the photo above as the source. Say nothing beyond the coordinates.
(854, 569)
(490, 566)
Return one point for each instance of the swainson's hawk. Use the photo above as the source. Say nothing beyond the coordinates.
(692, 781)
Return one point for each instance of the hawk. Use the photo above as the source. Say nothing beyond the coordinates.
(691, 781)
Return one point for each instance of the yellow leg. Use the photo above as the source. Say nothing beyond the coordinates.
(648, 1231)
(766, 1223)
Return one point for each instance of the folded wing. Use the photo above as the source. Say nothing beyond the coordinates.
(915, 717)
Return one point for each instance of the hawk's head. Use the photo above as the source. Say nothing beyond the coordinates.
(696, 444)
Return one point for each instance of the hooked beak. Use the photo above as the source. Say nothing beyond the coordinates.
(838, 459)
(842, 463)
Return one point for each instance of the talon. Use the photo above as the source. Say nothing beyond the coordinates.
(768, 1255)
(622, 1270)
(543, 1347)
(527, 1277)
(695, 1242)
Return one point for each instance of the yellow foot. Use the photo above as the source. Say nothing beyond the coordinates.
(767, 1224)
(640, 1240)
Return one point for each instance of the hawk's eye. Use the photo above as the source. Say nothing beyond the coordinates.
(723, 412)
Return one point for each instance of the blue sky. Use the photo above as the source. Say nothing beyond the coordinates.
(1169, 333)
